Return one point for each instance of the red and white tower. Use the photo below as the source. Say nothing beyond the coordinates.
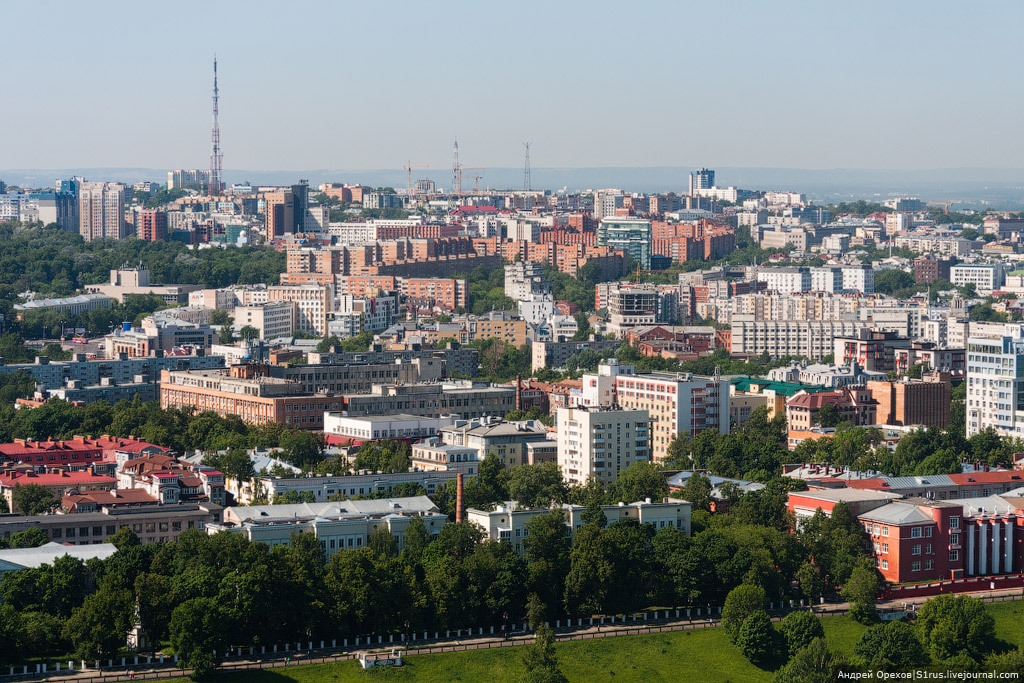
(216, 185)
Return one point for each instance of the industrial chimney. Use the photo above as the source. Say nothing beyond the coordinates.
(458, 498)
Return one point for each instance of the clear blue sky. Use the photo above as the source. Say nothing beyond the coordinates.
(365, 85)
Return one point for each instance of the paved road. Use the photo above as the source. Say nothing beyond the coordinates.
(482, 642)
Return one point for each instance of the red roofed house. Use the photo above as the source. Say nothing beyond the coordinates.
(68, 453)
(170, 481)
(853, 403)
(76, 453)
(59, 481)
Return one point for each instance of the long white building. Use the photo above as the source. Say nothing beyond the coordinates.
(345, 525)
(508, 521)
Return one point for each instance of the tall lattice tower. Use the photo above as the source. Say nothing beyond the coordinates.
(456, 175)
(526, 169)
(215, 155)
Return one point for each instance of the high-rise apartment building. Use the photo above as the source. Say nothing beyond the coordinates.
(701, 179)
(600, 442)
(605, 203)
(312, 302)
(995, 381)
(194, 178)
(101, 211)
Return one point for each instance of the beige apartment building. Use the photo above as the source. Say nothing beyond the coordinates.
(312, 302)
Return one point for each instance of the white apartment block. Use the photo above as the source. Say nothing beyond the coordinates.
(600, 443)
(995, 381)
(508, 521)
(525, 279)
(785, 280)
(984, 277)
(352, 233)
(826, 279)
(313, 303)
(785, 198)
(779, 338)
(946, 245)
(373, 313)
(858, 279)
(605, 203)
(273, 320)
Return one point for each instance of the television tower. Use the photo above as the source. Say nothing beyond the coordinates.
(216, 157)
(526, 170)
(456, 173)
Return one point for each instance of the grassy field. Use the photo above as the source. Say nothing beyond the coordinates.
(702, 655)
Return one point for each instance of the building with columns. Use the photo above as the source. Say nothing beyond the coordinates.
(917, 539)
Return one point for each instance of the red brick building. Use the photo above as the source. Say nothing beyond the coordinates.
(926, 540)
(151, 224)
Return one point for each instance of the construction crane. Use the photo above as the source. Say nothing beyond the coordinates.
(408, 167)
(476, 177)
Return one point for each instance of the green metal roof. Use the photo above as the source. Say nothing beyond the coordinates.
(781, 388)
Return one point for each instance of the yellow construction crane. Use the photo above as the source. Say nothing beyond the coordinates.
(408, 167)
(476, 177)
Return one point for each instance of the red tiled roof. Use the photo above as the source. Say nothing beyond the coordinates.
(114, 497)
(56, 479)
(814, 401)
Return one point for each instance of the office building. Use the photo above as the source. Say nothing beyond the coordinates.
(913, 402)
(631, 235)
(600, 443)
(701, 179)
(392, 426)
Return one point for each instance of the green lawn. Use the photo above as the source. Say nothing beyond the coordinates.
(701, 655)
(656, 657)
(1009, 618)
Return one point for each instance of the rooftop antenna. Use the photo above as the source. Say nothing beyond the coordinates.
(526, 169)
(215, 155)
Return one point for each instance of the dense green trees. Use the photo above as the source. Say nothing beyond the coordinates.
(954, 625)
(741, 603)
(386, 455)
(33, 499)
